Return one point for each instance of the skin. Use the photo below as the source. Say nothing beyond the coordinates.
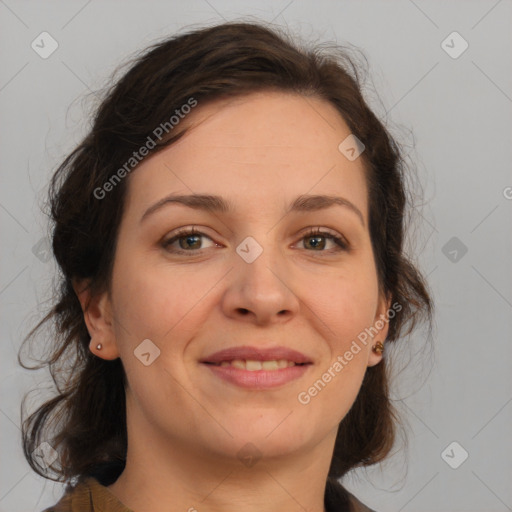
(185, 425)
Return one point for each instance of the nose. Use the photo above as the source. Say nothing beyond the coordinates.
(260, 292)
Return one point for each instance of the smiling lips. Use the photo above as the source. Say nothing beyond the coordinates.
(258, 368)
(253, 365)
(255, 354)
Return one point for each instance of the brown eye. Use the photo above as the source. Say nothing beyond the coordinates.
(316, 239)
(189, 240)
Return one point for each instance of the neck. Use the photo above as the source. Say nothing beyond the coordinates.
(166, 475)
(224, 489)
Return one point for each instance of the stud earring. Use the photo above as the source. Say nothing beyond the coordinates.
(378, 348)
(99, 346)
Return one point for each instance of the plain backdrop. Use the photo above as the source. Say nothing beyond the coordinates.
(451, 108)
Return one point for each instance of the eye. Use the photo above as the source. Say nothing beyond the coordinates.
(315, 236)
(189, 240)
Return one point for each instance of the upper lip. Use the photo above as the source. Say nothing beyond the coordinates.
(257, 354)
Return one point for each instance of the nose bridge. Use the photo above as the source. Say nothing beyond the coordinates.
(260, 278)
(260, 264)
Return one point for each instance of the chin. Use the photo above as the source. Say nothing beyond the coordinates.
(274, 434)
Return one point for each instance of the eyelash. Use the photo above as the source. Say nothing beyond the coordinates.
(313, 232)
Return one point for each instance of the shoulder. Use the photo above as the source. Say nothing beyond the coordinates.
(76, 498)
(88, 496)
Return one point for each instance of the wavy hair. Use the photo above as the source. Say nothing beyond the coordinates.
(86, 419)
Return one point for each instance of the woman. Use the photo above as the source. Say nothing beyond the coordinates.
(230, 235)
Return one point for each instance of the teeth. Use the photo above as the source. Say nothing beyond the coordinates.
(254, 366)
(269, 365)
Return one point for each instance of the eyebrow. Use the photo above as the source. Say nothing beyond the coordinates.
(214, 204)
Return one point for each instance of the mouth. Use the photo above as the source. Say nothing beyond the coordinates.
(257, 368)
(253, 365)
(252, 357)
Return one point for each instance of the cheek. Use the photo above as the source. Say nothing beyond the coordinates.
(159, 304)
(153, 300)
(346, 311)
(347, 304)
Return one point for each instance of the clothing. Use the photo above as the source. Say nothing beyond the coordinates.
(90, 496)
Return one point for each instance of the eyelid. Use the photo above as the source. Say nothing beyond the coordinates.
(336, 237)
(182, 232)
(312, 231)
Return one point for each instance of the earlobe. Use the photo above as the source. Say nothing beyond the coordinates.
(375, 355)
(97, 312)
(107, 352)
(381, 323)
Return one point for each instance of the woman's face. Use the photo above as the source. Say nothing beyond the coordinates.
(252, 276)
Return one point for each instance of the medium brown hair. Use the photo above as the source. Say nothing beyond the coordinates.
(86, 420)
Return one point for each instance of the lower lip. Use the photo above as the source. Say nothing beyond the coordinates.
(259, 379)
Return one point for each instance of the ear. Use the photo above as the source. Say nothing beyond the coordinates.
(98, 318)
(381, 326)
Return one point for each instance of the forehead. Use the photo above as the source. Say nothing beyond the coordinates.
(254, 148)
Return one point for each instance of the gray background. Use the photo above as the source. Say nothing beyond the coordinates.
(459, 111)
